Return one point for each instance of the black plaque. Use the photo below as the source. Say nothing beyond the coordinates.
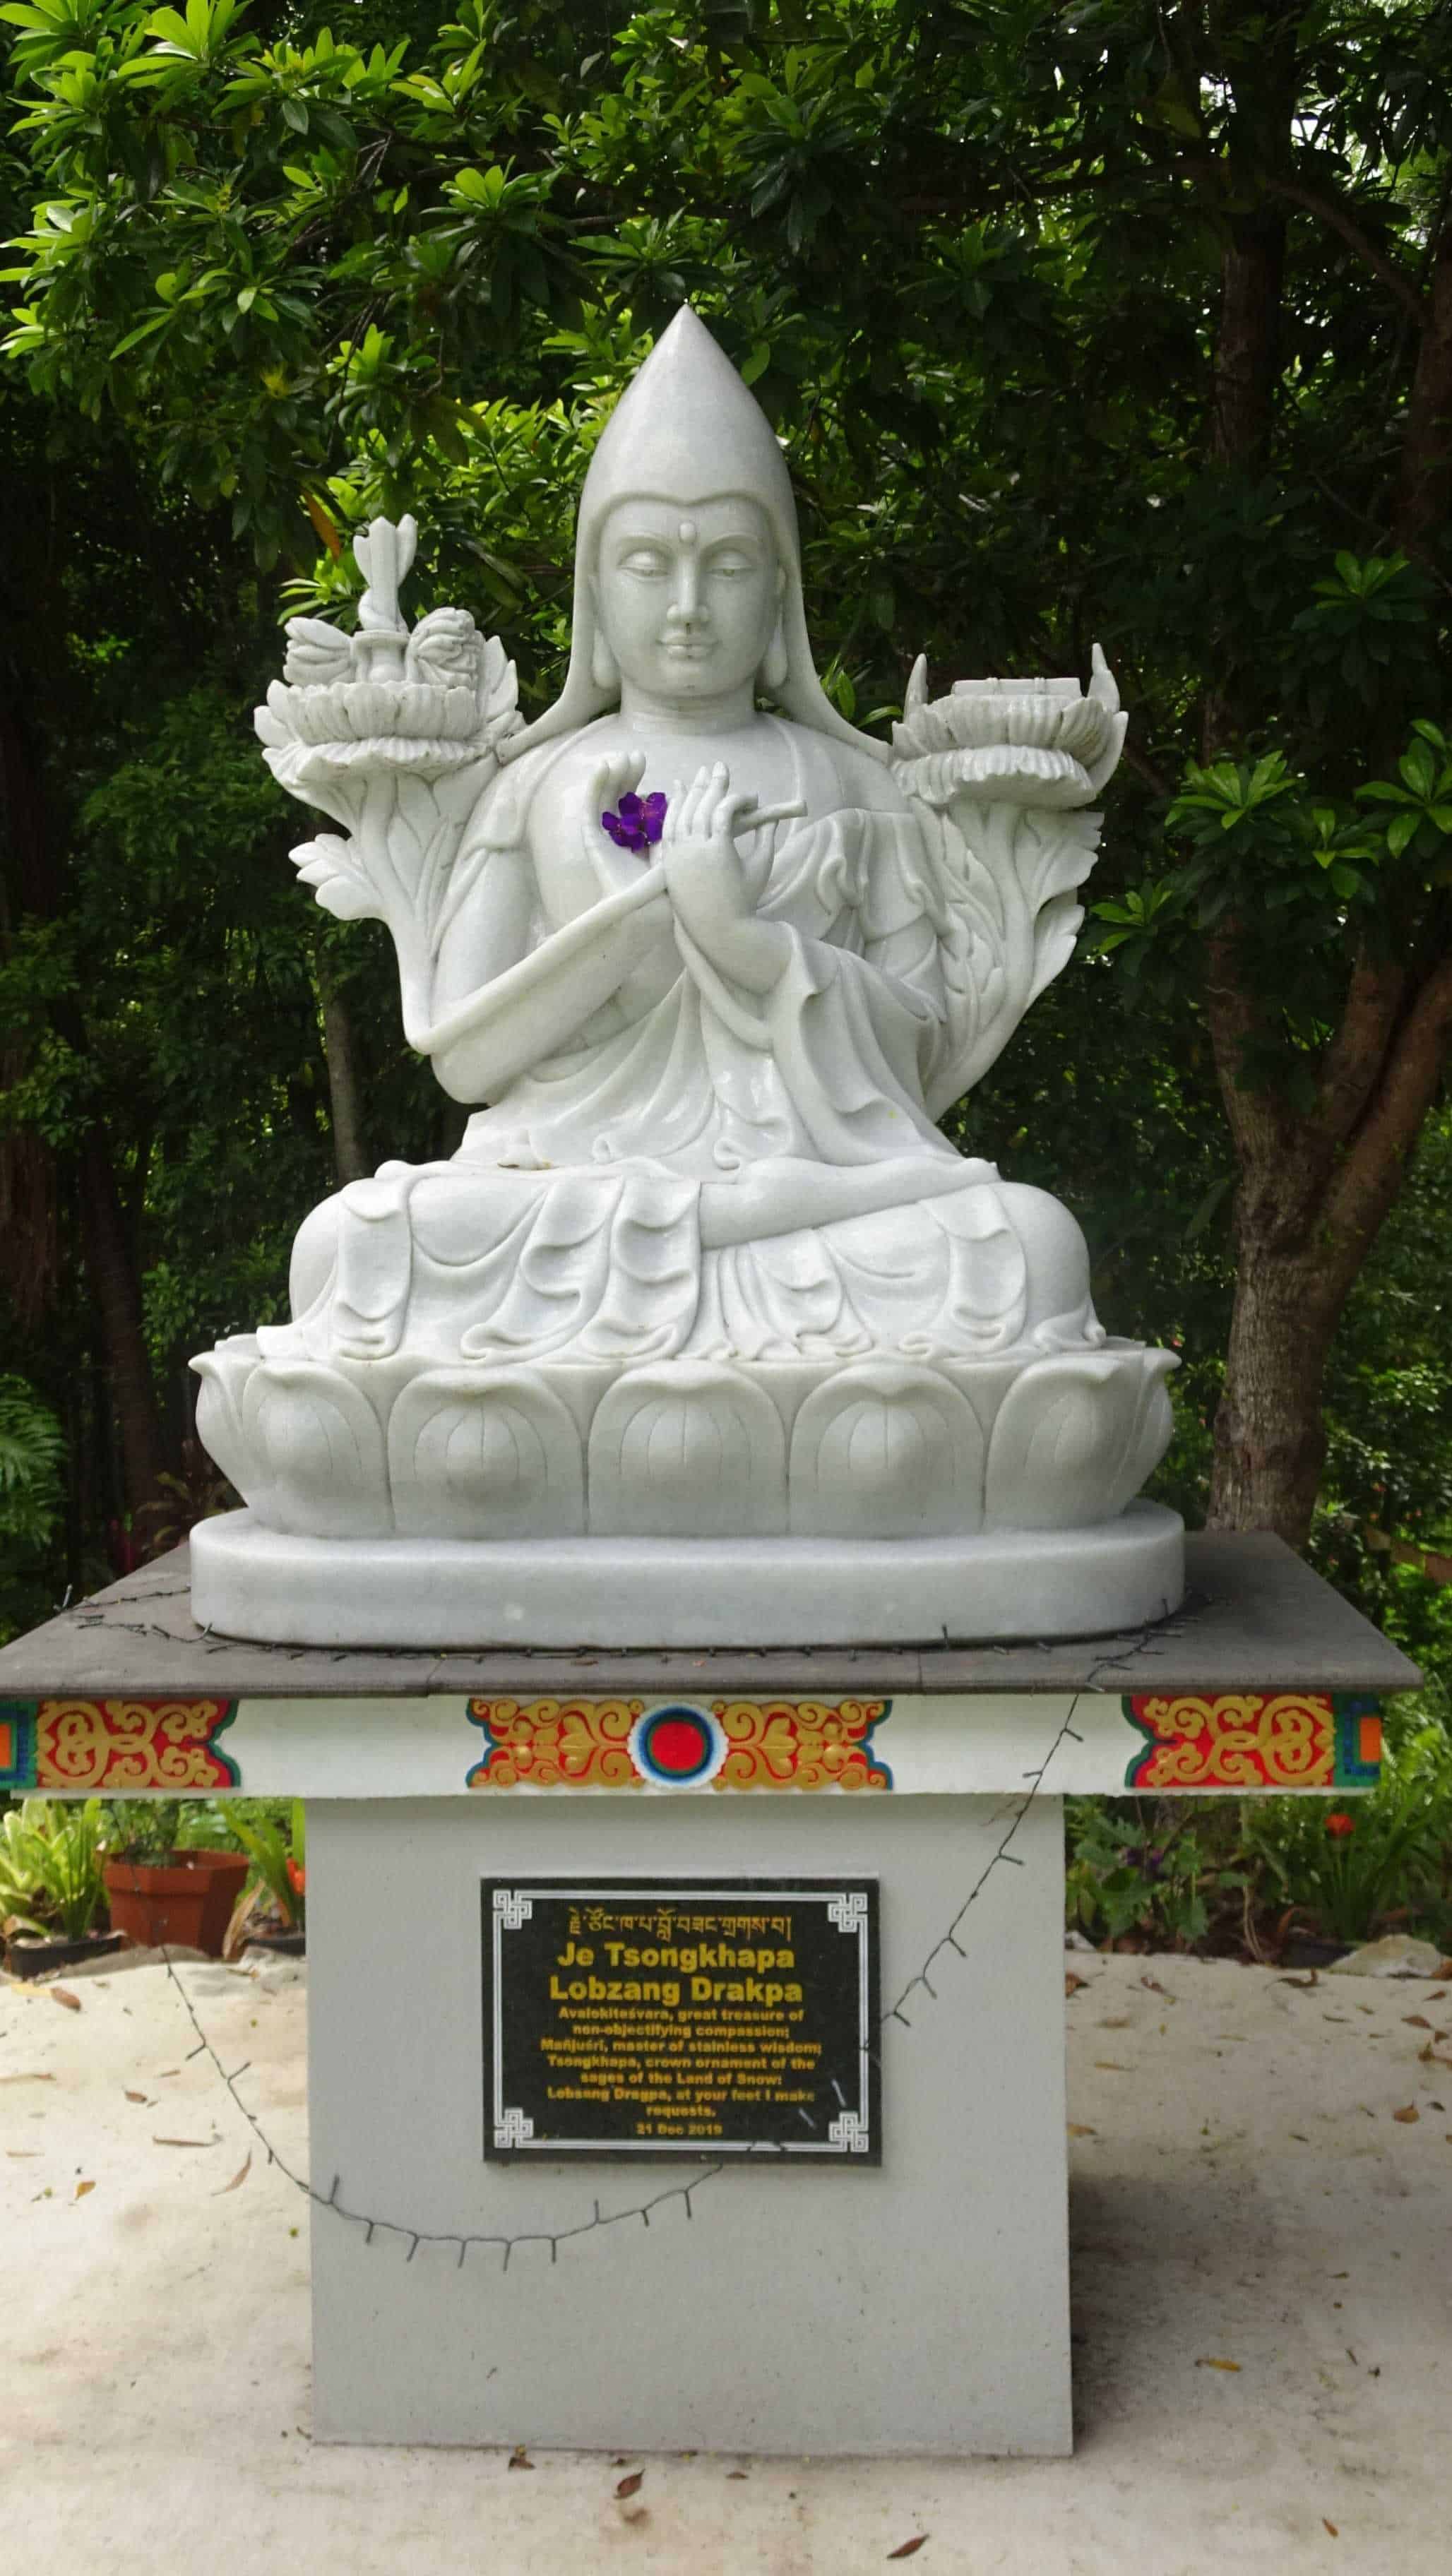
(631, 2017)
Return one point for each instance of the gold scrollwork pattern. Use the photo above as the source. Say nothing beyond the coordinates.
(132, 1744)
(769, 1744)
(1248, 1740)
(800, 1744)
(555, 1743)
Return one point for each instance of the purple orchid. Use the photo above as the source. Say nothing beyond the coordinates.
(637, 826)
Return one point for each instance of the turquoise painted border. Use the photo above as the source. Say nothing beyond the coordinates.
(1148, 1744)
(19, 1714)
(870, 1748)
(494, 1743)
(1348, 1769)
(234, 1767)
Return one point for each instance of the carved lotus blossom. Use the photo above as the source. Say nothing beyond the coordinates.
(1031, 742)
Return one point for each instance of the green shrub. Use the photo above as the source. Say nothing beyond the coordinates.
(50, 1868)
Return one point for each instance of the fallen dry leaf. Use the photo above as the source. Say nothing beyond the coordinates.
(1408, 2114)
(1208, 2362)
(738, 2473)
(1081, 2129)
(237, 2179)
(632, 2485)
(82, 2188)
(1073, 1983)
(1307, 1982)
(1156, 1988)
(1416, 2021)
(27, 2154)
(909, 2548)
(519, 2457)
(63, 1995)
(134, 2097)
(186, 2142)
(1331, 2527)
(27, 2079)
(1117, 2021)
(1111, 2066)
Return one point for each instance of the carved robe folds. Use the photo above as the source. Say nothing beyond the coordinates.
(477, 1346)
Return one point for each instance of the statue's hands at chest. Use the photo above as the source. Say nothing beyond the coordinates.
(714, 890)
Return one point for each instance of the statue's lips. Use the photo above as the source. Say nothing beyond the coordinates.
(688, 652)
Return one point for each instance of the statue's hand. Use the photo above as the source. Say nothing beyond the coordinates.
(705, 877)
(615, 866)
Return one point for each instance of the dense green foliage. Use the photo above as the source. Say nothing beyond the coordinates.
(980, 260)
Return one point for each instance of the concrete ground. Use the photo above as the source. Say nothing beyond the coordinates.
(1260, 2272)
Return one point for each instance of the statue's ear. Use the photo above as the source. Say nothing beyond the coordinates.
(774, 668)
(604, 669)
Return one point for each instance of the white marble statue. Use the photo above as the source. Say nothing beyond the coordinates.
(704, 1267)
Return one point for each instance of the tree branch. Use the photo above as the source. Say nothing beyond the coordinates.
(1372, 1169)
(1424, 483)
(1354, 1056)
(1339, 219)
(1235, 1021)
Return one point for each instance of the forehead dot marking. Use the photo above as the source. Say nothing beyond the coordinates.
(688, 532)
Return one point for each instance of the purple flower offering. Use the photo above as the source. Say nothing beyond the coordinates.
(637, 826)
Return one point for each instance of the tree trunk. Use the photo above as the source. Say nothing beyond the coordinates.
(1270, 1439)
(1424, 483)
(34, 886)
(345, 1091)
(117, 1292)
(1315, 1190)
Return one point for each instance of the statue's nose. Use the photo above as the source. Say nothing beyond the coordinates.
(688, 608)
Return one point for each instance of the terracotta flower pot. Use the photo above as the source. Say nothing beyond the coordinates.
(186, 1901)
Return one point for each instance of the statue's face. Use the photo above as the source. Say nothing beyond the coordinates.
(687, 594)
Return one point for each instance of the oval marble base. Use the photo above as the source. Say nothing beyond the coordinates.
(248, 1581)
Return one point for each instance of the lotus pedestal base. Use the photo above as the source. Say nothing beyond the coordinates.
(248, 1581)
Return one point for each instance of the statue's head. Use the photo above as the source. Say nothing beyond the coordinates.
(687, 565)
(686, 598)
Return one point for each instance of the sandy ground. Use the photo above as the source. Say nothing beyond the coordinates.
(1244, 2194)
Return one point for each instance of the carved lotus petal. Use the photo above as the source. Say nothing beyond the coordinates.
(1155, 1424)
(478, 1454)
(1001, 773)
(321, 1447)
(362, 710)
(224, 1373)
(1059, 1447)
(882, 1451)
(689, 1451)
(1036, 715)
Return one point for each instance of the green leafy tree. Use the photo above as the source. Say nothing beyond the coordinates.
(1119, 320)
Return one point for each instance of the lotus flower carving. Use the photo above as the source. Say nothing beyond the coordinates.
(1039, 742)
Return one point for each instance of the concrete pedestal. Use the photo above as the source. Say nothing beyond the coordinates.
(918, 2307)
(833, 2308)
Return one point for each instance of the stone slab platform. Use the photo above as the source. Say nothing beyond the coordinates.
(1254, 1618)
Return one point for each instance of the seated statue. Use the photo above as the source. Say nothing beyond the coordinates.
(704, 1266)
